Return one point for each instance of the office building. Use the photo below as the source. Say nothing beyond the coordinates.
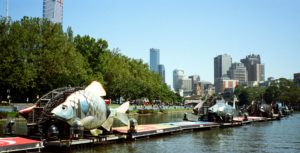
(161, 71)
(154, 59)
(186, 86)
(225, 83)
(222, 64)
(256, 70)
(196, 86)
(297, 79)
(195, 78)
(177, 76)
(53, 10)
(238, 71)
(155, 65)
(197, 89)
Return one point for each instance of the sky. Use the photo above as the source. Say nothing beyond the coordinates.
(189, 33)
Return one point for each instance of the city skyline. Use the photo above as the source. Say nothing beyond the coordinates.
(189, 34)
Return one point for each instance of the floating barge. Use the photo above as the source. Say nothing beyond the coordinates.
(163, 128)
(120, 134)
(103, 139)
(141, 131)
(13, 144)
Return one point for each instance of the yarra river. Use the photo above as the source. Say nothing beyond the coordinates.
(273, 136)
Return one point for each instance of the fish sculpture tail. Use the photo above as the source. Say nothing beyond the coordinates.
(119, 113)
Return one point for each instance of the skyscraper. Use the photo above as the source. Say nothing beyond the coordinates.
(186, 86)
(53, 10)
(222, 64)
(238, 71)
(177, 77)
(154, 59)
(161, 71)
(256, 70)
(195, 82)
(195, 79)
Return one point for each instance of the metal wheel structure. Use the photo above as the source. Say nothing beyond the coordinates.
(39, 120)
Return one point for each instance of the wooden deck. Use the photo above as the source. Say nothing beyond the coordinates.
(86, 141)
(163, 128)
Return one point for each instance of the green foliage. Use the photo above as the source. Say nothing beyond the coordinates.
(248, 94)
(282, 90)
(37, 56)
(131, 78)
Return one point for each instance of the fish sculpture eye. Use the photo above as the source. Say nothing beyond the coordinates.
(64, 107)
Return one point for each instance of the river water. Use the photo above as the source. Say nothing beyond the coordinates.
(273, 136)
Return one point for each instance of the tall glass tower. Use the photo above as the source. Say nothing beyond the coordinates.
(53, 10)
(154, 59)
(162, 73)
(222, 64)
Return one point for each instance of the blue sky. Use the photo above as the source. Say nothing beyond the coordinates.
(189, 33)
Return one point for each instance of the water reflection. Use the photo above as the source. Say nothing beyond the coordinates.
(275, 136)
(19, 126)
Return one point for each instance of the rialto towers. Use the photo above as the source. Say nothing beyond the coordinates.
(155, 63)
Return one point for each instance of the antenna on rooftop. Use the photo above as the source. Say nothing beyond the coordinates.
(6, 10)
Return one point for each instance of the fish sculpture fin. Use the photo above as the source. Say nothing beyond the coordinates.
(97, 88)
(96, 132)
(121, 113)
(108, 123)
(118, 113)
(123, 108)
(123, 118)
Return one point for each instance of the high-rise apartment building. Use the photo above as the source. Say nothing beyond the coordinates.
(154, 59)
(53, 10)
(222, 64)
(256, 70)
(238, 71)
(161, 71)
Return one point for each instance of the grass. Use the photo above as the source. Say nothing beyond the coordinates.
(8, 115)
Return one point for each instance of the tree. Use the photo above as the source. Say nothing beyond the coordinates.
(36, 57)
(248, 94)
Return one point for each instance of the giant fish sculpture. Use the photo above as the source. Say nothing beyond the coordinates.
(222, 109)
(266, 110)
(86, 108)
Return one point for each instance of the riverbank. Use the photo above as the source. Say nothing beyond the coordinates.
(133, 110)
(149, 109)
